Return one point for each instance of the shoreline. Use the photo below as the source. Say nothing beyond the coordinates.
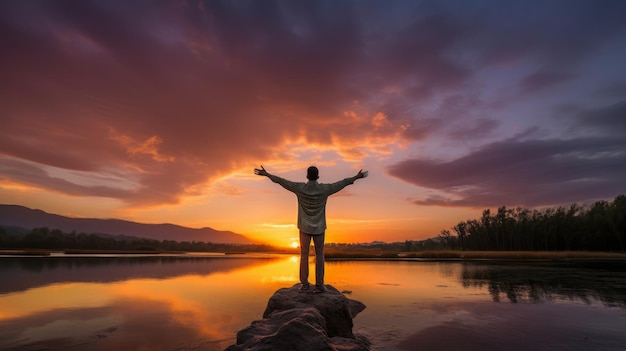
(478, 255)
(340, 255)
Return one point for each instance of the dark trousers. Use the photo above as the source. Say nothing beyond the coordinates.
(305, 244)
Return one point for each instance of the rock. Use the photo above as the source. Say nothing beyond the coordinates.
(336, 309)
(304, 321)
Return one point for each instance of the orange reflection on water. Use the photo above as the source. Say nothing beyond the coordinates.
(150, 314)
(200, 301)
(58, 296)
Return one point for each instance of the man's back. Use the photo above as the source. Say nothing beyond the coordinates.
(312, 197)
(312, 205)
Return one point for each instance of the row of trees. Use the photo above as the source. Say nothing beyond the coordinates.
(55, 239)
(599, 227)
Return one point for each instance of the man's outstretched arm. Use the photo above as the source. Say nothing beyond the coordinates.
(287, 184)
(361, 174)
(335, 187)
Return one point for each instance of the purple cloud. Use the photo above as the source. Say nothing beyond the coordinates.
(540, 80)
(522, 172)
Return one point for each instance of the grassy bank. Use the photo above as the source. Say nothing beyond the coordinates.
(452, 254)
(364, 253)
(25, 252)
(45, 252)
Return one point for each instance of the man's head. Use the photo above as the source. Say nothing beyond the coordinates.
(312, 173)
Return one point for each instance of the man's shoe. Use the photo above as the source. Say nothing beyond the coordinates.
(319, 289)
(304, 288)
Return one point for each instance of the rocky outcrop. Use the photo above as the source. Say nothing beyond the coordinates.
(295, 320)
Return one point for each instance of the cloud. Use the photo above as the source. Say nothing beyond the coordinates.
(147, 147)
(540, 80)
(614, 89)
(552, 35)
(174, 109)
(522, 172)
(588, 165)
(609, 120)
(34, 175)
(478, 129)
(176, 95)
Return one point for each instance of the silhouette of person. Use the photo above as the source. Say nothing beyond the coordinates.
(312, 198)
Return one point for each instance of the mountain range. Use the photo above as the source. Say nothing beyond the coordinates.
(23, 217)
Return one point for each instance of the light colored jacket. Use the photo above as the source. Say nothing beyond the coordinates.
(312, 198)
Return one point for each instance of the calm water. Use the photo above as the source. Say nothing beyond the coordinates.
(200, 302)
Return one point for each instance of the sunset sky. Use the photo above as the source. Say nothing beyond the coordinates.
(158, 111)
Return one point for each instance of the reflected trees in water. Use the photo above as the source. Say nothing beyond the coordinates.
(603, 281)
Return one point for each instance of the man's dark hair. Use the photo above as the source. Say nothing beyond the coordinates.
(312, 173)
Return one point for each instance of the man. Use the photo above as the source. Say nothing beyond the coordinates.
(312, 198)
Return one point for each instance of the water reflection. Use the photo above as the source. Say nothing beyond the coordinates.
(487, 305)
(199, 303)
(152, 303)
(537, 282)
(21, 273)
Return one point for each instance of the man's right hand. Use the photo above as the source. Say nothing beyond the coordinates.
(261, 172)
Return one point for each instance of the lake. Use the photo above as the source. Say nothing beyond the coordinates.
(199, 302)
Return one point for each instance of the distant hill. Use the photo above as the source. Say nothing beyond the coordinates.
(23, 217)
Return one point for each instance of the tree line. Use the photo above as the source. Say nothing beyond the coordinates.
(55, 239)
(598, 227)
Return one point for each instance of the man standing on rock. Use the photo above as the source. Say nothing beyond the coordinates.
(312, 198)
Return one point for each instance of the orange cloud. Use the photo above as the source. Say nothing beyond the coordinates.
(147, 147)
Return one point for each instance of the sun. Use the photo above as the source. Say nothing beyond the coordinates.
(294, 244)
